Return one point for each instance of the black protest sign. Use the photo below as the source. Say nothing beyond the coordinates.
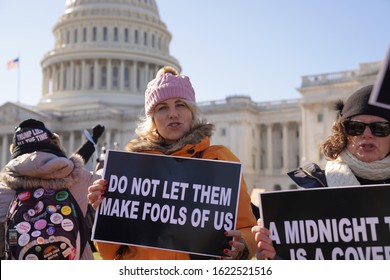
(380, 95)
(348, 223)
(167, 202)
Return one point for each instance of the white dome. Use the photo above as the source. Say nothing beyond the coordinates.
(147, 6)
(106, 51)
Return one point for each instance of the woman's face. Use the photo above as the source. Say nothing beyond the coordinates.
(368, 147)
(173, 119)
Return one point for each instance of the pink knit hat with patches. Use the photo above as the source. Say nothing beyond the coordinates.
(167, 84)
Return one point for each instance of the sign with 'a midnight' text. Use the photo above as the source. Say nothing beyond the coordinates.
(340, 223)
(167, 202)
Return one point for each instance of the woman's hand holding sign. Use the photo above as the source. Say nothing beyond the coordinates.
(96, 191)
(265, 250)
(238, 246)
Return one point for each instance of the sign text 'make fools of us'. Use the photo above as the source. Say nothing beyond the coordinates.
(167, 202)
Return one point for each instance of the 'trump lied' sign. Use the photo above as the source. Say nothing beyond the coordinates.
(166, 202)
(349, 223)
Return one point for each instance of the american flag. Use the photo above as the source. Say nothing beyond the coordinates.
(12, 64)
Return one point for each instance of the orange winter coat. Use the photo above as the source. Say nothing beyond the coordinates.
(245, 217)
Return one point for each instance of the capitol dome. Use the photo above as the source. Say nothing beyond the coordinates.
(105, 52)
(146, 6)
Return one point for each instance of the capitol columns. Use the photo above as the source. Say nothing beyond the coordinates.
(71, 142)
(109, 74)
(83, 74)
(270, 162)
(71, 82)
(4, 149)
(303, 135)
(122, 75)
(61, 81)
(133, 77)
(107, 132)
(285, 150)
(95, 74)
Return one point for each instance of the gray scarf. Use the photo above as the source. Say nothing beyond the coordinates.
(341, 172)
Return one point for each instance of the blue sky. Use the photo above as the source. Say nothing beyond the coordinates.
(251, 47)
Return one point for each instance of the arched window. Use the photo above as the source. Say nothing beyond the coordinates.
(103, 80)
(293, 187)
(277, 187)
(126, 35)
(91, 76)
(115, 77)
(136, 37)
(64, 83)
(145, 39)
(94, 34)
(85, 34)
(105, 34)
(116, 35)
(126, 76)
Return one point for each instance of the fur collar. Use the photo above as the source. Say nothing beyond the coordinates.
(193, 137)
(15, 181)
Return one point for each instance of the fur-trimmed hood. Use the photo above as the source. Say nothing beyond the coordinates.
(193, 137)
(40, 169)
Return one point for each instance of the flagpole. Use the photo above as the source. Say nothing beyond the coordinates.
(19, 66)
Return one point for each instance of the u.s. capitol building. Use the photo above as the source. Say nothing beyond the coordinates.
(106, 52)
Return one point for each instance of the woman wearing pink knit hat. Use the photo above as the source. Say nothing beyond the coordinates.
(172, 126)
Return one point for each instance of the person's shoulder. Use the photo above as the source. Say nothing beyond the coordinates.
(308, 176)
(221, 152)
(214, 148)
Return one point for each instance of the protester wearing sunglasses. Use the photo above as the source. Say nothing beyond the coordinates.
(357, 153)
(355, 128)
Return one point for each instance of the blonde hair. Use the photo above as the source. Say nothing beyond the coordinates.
(167, 69)
(146, 127)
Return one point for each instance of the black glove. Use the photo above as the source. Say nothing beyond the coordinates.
(97, 131)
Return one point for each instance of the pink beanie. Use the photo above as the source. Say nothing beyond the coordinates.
(166, 85)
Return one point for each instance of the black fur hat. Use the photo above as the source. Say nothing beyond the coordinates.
(357, 104)
(32, 135)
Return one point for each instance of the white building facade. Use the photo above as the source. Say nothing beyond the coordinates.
(106, 52)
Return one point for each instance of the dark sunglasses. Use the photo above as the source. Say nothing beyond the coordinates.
(354, 128)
